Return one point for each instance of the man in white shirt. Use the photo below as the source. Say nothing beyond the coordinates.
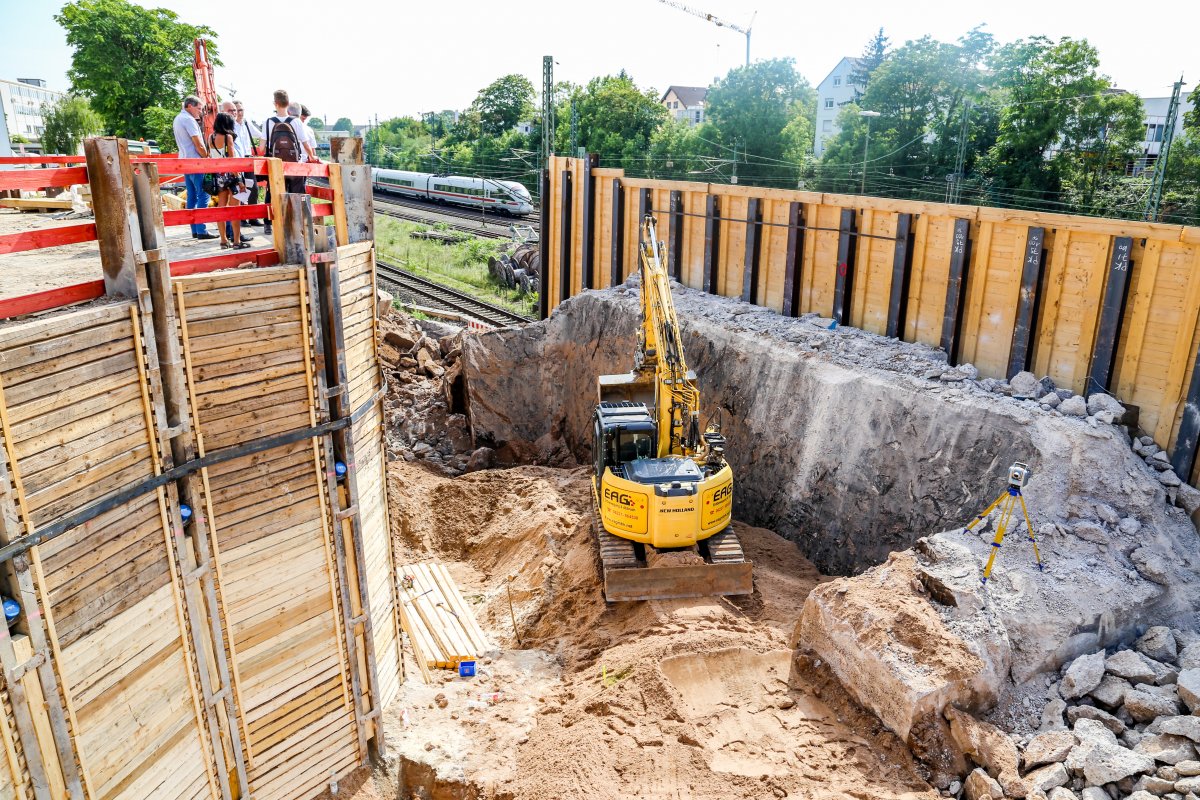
(190, 143)
(308, 131)
(307, 140)
(247, 132)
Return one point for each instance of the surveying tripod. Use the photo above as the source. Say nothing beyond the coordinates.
(1018, 476)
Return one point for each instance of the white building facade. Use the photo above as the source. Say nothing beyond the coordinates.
(23, 100)
(833, 93)
(686, 103)
(1155, 110)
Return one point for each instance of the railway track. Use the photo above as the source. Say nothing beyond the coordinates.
(406, 213)
(439, 296)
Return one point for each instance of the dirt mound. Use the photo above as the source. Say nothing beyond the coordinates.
(679, 699)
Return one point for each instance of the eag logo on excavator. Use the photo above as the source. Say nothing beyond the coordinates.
(619, 497)
(722, 494)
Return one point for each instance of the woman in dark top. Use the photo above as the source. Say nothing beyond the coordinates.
(229, 184)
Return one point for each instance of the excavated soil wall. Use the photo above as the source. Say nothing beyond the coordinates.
(829, 451)
(856, 447)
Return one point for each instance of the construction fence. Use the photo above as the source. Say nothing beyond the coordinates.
(193, 514)
(1096, 304)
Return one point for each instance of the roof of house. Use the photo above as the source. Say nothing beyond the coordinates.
(688, 95)
(850, 60)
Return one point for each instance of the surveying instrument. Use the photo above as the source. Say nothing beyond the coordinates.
(1018, 477)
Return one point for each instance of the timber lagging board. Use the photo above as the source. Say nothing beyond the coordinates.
(81, 419)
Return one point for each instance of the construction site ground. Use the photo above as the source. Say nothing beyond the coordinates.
(667, 699)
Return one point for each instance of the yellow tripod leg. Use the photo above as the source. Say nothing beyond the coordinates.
(1005, 515)
(1029, 526)
(981, 517)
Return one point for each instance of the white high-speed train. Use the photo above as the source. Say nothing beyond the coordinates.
(508, 197)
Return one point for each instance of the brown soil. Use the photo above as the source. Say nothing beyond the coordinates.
(668, 699)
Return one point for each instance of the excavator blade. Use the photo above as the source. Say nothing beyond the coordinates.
(724, 572)
(662, 583)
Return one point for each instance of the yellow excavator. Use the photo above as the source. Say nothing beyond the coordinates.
(662, 488)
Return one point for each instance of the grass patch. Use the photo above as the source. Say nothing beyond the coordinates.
(461, 266)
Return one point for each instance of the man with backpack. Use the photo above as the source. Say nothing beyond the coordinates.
(283, 137)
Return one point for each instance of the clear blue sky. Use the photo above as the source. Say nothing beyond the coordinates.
(420, 56)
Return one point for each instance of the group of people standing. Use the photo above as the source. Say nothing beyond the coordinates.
(285, 136)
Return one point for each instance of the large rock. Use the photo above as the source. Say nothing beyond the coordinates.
(1061, 793)
(1158, 643)
(1084, 675)
(1073, 407)
(1130, 665)
(1188, 726)
(1167, 748)
(1111, 691)
(1076, 713)
(1188, 685)
(1100, 402)
(1154, 784)
(1048, 777)
(1105, 763)
(1093, 793)
(1025, 384)
(989, 747)
(1052, 715)
(1189, 657)
(1185, 785)
(1187, 769)
(981, 786)
(1048, 748)
(1144, 706)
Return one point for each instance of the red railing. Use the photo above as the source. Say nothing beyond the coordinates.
(171, 167)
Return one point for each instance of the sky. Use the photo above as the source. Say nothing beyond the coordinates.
(388, 59)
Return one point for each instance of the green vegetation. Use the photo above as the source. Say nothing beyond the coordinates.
(461, 266)
(68, 122)
(129, 59)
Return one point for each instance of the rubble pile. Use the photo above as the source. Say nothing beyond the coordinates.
(1121, 724)
(425, 406)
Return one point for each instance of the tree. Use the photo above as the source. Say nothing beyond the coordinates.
(750, 107)
(68, 121)
(616, 120)
(128, 58)
(344, 124)
(316, 123)
(873, 55)
(160, 128)
(503, 103)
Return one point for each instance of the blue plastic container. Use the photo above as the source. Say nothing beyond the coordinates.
(185, 511)
(12, 610)
(339, 469)
(466, 669)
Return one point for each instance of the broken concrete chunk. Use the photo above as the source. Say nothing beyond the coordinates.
(1024, 384)
(402, 340)
(1152, 566)
(1158, 643)
(1154, 785)
(1051, 399)
(1144, 706)
(1074, 406)
(1084, 675)
(1111, 691)
(1108, 763)
(1168, 478)
(1185, 785)
(1062, 793)
(1185, 725)
(1188, 685)
(1076, 713)
(1141, 794)
(1130, 665)
(1166, 748)
(1048, 748)
(383, 303)
(987, 746)
(1104, 402)
(1189, 657)
(981, 786)
(1052, 715)
(1094, 793)
(1048, 777)
(1186, 769)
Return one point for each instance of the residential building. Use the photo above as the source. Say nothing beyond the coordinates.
(1155, 110)
(685, 103)
(833, 93)
(524, 127)
(23, 100)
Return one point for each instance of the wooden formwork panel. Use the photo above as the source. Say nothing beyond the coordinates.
(993, 290)
(268, 511)
(356, 272)
(1074, 289)
(14, 778)
(874, 257)
(820, 258)
(78, 424)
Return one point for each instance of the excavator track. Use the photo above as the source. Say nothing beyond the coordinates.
(625, 577)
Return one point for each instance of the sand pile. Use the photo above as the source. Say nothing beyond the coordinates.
(686, 699)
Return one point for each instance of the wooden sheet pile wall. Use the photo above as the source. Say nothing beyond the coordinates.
(1096, 304)
(107, 636)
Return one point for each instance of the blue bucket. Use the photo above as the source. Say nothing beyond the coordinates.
(466, 669)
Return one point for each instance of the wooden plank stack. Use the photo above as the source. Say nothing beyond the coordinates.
(442, 628)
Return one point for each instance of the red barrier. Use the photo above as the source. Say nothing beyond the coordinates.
(188, 217)
(42, 160)
(265, 257)
(47, 237)
(31, 179)
(52, 298)
(322, 209)
(194, 166)
(322, 192)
